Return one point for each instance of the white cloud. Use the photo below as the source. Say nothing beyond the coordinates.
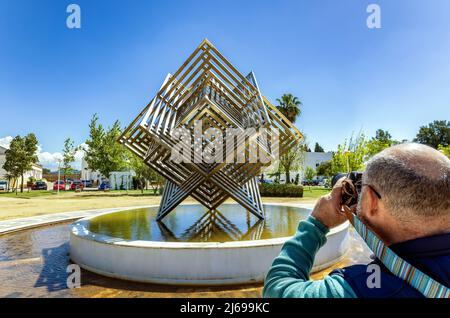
(48, 159)
(5, 141)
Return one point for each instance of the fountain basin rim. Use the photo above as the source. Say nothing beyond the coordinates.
(79, 229)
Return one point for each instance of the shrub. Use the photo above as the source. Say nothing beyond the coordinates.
(280, 190)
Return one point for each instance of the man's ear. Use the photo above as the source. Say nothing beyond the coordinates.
(372, 202)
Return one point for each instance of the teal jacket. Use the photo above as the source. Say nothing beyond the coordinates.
(289, 275)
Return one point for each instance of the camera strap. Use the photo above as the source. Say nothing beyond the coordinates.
(429, 287)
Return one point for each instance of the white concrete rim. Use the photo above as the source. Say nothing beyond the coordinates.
(79, 229)
(176, 281)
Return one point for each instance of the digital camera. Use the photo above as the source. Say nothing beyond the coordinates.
(351, 187)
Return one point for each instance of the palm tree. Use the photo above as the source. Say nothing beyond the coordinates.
(289, 106)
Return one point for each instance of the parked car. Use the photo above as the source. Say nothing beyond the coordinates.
(324, 183)
(3, 185)
(87, 183)
(77, 184)
(265, 181)
(310, 182)
(104, 186)
(61, 185)
(39, 185)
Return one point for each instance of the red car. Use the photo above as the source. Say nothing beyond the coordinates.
(77, 184)
(59, 184)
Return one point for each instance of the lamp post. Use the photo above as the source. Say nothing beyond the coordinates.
(85, 177)
(59, 175)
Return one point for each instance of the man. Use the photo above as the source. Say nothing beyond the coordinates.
(405, 200)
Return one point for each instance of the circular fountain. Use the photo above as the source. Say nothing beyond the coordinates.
(205, 102)
(193, 246)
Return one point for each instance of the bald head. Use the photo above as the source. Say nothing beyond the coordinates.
(413, 180)
(424, 160)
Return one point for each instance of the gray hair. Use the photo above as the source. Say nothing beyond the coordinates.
(412, 179)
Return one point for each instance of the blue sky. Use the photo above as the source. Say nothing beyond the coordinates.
(349, 77)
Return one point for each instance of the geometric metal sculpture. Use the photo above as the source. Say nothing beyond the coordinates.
(207, 92)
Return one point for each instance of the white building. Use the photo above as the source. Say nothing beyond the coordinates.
(35, 172)
(117, 179)
(314, 159)
(311, 159)
(2, 162)
(88, 174)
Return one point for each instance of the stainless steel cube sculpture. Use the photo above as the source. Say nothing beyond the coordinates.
(208, 89)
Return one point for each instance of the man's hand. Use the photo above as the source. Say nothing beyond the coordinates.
(328, 208)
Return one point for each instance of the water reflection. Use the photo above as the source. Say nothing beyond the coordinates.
(193, 223)
(214, 226)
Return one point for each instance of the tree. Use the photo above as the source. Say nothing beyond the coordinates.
(69, 151)
(445, 150)
(154, 178)
(291, 161)
(138, 167)
(304, 147)
(297, 179)
(324, 169)
(103, 152)
(9, 177)
(435, 134)
(275, 173)
(318, 148)
(310, 173)
(349, 156)
(381, 141)
(383, 136)
(20, 156)
(144, 173)
(289, 106)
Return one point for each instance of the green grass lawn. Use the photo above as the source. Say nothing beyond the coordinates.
(37, 202)
(28, 194)
(314, 192)
(117, 193)
(308, 192)
(43, 193)
(133, 192)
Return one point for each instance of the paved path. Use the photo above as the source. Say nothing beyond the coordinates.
(13, 225)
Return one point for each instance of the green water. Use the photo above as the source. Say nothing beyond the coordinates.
(193, 223)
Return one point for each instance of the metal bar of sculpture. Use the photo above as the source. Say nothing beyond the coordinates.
(207, 89)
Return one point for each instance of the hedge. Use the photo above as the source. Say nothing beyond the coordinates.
(280, 190)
